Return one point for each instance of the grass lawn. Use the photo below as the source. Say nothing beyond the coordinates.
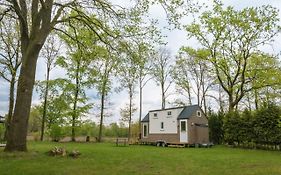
(106, 158)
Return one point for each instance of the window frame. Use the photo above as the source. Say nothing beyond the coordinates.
(155, 115)
(199, 114)
(145, 131)
(185, 126)
(162, 126)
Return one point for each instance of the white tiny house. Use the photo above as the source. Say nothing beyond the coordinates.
(185, 125)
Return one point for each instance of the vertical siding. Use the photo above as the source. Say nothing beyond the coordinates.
(198, 134)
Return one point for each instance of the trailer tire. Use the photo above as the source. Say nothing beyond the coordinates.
(158, 144)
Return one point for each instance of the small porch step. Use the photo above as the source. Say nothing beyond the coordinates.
(176, 146)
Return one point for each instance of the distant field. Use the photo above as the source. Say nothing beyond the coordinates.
(106, 158)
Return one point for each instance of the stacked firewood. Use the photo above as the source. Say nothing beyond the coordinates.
(59, 151)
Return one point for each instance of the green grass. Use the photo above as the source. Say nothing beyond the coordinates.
(106, 158)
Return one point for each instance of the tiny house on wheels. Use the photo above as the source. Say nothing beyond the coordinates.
(185, 125)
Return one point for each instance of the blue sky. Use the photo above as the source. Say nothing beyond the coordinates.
(151, 94)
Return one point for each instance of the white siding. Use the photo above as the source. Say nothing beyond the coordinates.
(170, 121)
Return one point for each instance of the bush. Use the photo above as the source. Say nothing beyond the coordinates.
(2, 132)
(56, 132)
(216, 127)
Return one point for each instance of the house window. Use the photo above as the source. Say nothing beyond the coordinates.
(162, 125)
(198, 113)
(155, 115)
(169, 113)
(183, 126)
(145, 131)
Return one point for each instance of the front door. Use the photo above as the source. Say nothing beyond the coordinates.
(183, 131)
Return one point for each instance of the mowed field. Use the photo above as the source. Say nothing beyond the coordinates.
(106, 158)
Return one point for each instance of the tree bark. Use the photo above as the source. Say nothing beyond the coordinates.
(130, 113)
(101, 115)
(231, 104)
(256, 99)
(189, 96)
(140, 88)
(17, 132)
(74, 113)
(11, 105)
(45, 104)
(163, 95)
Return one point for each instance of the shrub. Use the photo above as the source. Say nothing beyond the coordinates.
(56, 132)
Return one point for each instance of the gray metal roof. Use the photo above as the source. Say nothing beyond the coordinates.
(146, 118)
(188, 111)
(167, 109)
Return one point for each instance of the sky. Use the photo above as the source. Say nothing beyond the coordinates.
(151, 94)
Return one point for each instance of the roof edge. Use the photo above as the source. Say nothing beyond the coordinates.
(171, 108)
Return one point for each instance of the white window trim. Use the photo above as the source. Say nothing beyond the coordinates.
(162, 129)
(185, 126)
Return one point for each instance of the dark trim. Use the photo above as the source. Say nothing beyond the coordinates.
(167, 109)
(201, 125)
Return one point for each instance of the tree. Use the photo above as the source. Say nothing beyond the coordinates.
(143, 70)
(10, 60)
(126, 116)
(267, 124)
(232, 37)
(104, 68)
(50, 52)
(215, 122)
(192, 68)
(76, 67)
(232, 122)
(265, 70)
(35, 119)
(59, 100)
(182, 78)
(161, 71)
(128, 79)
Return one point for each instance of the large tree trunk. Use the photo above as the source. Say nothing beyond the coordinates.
(17, 132)
(45, 103)
(11, 105)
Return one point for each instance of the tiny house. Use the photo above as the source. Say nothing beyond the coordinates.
(185, 125)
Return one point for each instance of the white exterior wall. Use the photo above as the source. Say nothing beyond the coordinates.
(170, 121)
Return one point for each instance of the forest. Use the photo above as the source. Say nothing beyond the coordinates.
(105, 48)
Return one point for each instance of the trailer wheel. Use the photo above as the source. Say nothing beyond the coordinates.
(158, 144)
(163, 144)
